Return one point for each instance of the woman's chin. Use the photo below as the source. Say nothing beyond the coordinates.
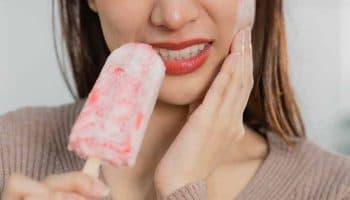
(186, 89)
(180, 99)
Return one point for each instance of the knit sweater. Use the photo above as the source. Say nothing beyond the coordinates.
(33, 141)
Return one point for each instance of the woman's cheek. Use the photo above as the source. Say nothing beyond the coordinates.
(121, 23)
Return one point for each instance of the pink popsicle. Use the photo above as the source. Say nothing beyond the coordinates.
(112, 122)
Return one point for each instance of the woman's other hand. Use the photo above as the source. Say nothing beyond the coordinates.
(72, 186)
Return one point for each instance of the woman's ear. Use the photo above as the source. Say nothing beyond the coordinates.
(92, 5)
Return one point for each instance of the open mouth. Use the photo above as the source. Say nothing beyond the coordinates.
(183, 54)
(187, 60)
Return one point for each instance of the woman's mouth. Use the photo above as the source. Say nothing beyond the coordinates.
(185, 60)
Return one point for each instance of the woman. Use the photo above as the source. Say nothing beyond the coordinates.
(221, 129)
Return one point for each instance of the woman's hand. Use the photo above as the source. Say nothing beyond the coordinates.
(214, 126)
(68, 186)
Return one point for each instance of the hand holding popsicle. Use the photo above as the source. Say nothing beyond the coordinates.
(214, 126)
(72, 185)
(109, 129)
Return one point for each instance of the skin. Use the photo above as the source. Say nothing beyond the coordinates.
(196, 131)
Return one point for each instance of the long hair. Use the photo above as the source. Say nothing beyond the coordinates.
(272, 104)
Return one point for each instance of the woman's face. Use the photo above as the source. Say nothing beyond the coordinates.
(153, 21)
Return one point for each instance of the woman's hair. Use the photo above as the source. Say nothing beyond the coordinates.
(272, 105)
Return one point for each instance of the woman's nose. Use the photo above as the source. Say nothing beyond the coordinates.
(174, 14)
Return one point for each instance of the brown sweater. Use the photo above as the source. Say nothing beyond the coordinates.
(33, 141)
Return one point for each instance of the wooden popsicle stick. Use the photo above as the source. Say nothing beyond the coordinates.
(92, 166)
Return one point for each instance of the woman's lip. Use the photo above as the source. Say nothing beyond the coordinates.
(185, 66)
(179, 45)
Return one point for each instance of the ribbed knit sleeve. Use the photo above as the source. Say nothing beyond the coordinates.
(63, 119)
(26, 145)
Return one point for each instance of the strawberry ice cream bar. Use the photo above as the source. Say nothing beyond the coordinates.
(114, 118)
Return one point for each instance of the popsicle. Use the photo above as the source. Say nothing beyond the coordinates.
(111, 125)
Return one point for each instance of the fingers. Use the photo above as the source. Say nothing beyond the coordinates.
(241, 80)
(239, 87)
(34, 197)
(248, 74)
(56, 196)
(19, 186)
(249, 68)
(66, 195)
(227, 97)
(215, 93)
(74, 185)
(77, 182)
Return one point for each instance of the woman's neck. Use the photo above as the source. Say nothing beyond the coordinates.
(165, 123)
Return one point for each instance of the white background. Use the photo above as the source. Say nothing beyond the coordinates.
(319, 42)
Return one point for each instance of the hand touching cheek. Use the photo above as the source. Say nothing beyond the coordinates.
(214, 126)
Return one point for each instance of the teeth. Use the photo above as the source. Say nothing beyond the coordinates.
(174, 54)
(164, 53)
(186, 53)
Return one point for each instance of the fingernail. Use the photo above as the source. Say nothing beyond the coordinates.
(100, 189)
(239, 42)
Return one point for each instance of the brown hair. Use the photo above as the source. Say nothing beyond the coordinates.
(272, 105)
